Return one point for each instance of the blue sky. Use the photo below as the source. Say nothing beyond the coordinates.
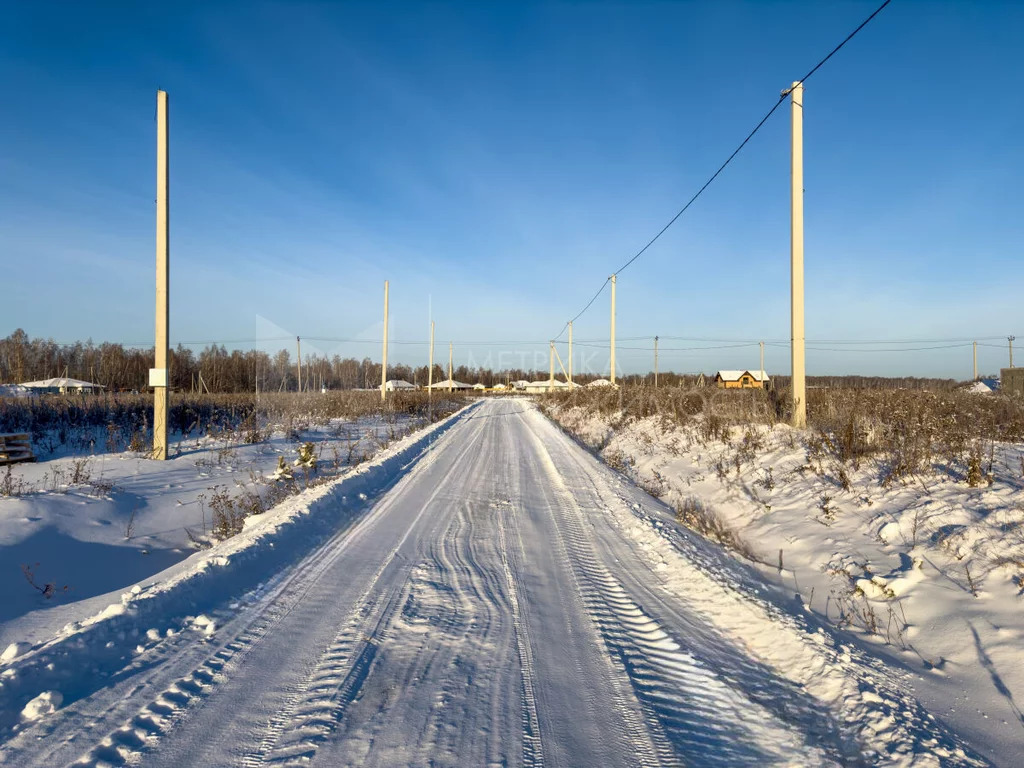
(497, 161)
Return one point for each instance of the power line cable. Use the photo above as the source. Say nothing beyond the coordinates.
(580, 313)
(728, 160)
(856, 350)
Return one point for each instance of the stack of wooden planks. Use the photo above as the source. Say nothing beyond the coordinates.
(14, 448)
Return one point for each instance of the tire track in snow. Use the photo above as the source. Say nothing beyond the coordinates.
(846, 701)
(703, 718)
(444, 699)
(315, 706)
(126, 743)
(142, 732)
(646, 739)
(453, 604)
(533, 748)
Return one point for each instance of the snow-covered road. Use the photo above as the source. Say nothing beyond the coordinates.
(508, 601)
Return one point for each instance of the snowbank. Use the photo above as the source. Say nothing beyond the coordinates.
(928, 571)
(86, 650)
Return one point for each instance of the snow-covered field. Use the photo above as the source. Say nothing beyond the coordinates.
(483, 592)
(92, 525)
(927, 571)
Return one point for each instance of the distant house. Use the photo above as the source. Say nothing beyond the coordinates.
(543, 385)
(478, 385)
(521, 384)
(741, 379)
(62, 385)
(991, 383)
(443, 385)
(392, 384)
(600, 383)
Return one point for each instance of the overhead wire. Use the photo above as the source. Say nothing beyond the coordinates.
(728, 160)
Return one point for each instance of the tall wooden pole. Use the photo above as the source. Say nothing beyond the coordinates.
(449, 366)
(975, 361)
(384, 356)
(430, 373)
(160, 377)
(796, 233)
(551, 355)
(570, 353)
(761, 344)
(655, 362)
(1011, 340)
(298, 362)
(613, 330)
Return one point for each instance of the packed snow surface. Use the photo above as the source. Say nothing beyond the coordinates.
(928, 570)
(483, 593)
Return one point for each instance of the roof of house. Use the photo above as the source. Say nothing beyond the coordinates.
(737, 375)
(61, 382)
(600, 383)
(455, 385)
(398, 384)
(545, 383)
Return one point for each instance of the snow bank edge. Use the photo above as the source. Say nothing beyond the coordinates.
(283, 535)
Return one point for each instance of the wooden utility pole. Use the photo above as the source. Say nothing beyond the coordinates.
(551, 378)
(975, 361)
(449, 366)
(384, 356)
(298, 362)
(570, 353)
(655, 362)
(761, 343)
(159, 377)
(430, 372)
(796, 233)
(1011, 339)
(613, 330)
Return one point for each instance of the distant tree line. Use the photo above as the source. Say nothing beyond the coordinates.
(215, 368)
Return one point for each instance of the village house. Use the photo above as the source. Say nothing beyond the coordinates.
(741, 379)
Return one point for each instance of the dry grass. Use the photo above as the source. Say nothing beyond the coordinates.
(90, 423)
(906, 431)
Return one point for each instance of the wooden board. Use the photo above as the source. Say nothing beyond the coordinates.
(15, 448)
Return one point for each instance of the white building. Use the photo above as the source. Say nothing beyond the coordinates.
(393, 384)
(443, 385)
(62, 385)
(543, 385)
